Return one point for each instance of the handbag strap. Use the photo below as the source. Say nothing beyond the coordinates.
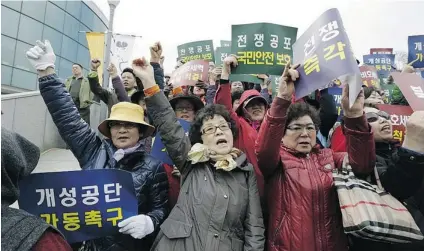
(346, 168)
(377, 179)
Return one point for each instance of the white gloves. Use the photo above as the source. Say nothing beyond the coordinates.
(137, 226)
(41, 56)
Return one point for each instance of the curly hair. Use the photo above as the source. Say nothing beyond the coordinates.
(298, 110)
(206, 113)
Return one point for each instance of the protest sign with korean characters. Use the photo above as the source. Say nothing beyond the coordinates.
(199, 50)
(83, 205)
(225, 43)
(336, 92)
(220, 54)
(190, 73)
(383, 63)
(415, 51)
(399, 114)
(381, 51)
(412, 88)
(369, 76)
(325, 54)
(262, 48)
(158, 148)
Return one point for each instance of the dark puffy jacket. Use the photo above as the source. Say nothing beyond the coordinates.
(401, 173)
(150, 180)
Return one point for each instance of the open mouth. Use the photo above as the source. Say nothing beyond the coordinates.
(123, 138)
(385, 128)
(221, 142)
(304, 144)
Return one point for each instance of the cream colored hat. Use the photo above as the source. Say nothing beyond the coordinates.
(127, 112)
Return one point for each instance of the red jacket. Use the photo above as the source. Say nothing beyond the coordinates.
(246, 133)
(303, 206)
(174, 185)
(51, 240)
(338, 140)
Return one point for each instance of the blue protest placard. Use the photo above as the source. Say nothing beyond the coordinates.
(159, 150)
(383, 63)
(83, 205)
(325, 54)
(336, 92)
(415, 51)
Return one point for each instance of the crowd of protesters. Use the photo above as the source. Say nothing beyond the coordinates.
(254, 173)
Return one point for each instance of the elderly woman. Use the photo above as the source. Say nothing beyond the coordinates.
(401, 170)
(218, 207)
(122, 150)
(303, 206)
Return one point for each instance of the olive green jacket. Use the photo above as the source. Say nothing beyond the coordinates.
(85, 94)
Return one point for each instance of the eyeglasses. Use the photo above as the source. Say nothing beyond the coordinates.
(299, 128)
(180, 109)
(119, 124)
(212, 129)
(373, 117)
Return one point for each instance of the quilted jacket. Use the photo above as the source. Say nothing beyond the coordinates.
(92, 152)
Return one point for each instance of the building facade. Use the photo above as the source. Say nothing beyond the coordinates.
(63, 23)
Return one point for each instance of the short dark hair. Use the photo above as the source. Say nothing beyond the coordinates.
(137, 80)
(78, 65)
(236, 95)
(208, 112)
(300, 109)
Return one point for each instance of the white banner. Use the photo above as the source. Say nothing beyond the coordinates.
(121, 50)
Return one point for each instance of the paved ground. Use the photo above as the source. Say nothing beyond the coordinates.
(55, 160)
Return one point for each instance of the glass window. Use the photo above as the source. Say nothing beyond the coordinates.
(98, 25)
(16, 5)
(34, 9)
(69, 47)
(71, 26)
(29, 30)
(82, 36)
(21, 60)
(55, 17)
(24, 79)
(6, 75)
(87, 16)
(60, 3)
(7, 50)
(83, 57)
(65, 68)
(55, 39)
(74, 8)
(9, 22)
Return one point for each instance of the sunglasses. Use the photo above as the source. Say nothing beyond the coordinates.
(373, 117)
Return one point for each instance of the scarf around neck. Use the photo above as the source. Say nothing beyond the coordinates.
(120, 153)
(201, 153)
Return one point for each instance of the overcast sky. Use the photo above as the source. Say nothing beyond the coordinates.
(377, 24)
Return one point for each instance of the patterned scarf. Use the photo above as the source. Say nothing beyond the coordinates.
(200, 153)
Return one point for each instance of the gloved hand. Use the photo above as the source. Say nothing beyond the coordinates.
(137, 226)
(41, 56)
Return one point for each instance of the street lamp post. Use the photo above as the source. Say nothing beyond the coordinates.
(112, 5)
(103, 107)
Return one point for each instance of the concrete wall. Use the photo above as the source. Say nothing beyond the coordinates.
(26, 114)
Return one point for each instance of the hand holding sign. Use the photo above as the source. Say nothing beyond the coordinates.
(155, 53)
(137, 226)
(357, 109)
(286, 88)
(144, 71)
(414, 139)
(226, 69)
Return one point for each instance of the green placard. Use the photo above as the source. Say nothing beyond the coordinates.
(262, 47)
(220, 54)
(199, 50)
(225, 43)
(251, 78)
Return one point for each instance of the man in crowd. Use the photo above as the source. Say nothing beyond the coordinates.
(79, 89)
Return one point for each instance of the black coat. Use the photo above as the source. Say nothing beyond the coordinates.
(92, 152)
(401, 173)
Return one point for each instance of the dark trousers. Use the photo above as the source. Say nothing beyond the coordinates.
(85, 114)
